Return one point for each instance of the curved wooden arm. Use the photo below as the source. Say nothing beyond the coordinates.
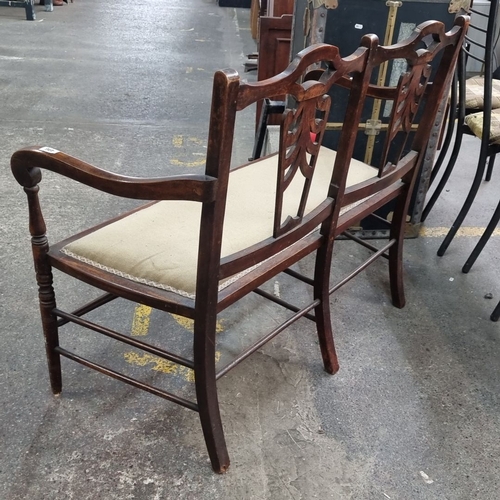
(26, 164)
(373, 185)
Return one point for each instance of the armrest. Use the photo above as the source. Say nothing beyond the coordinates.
(26, 164)
(376, 184)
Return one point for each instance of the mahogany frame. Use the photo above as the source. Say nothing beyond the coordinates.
(290, 243)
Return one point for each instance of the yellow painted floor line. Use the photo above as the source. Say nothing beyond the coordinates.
(439, 232)
(162, 365)
(159, 365)
(140, 323)
(188, 323)
(178, 140)
(140, 328)
(196, 163)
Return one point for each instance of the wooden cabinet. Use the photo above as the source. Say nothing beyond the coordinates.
(274, 49)
(278, 8)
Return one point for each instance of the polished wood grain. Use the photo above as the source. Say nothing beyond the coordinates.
(295, 235)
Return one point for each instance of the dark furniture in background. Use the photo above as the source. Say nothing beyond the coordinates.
(274, 32)
(28, 5)
(391, 21)
(235, 3)
(274, 53)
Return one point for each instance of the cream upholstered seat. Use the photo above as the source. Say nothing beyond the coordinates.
(158, 245)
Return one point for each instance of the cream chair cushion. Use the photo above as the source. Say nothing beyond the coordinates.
(474, 93)
(475, 123)
(158, 245)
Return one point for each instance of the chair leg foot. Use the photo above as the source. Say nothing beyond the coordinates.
(322, 311)
(213, 432)
(326, 344)
(211, 424)
(396, 252)
(53, 358)
(483, 240)
(50, 329)
(495, 315)
(489, 170)
(398, 301)
(332, 367)
(206, 394)
(330, 360)
(396, 275)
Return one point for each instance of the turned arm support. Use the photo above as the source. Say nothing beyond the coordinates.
(26, 164)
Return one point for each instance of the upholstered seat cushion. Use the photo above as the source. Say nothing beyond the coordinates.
(474, 95)
(475, 123)
(159, 244)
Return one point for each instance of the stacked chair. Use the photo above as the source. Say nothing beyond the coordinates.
(478, 111)
(204, 241)
(474, 107)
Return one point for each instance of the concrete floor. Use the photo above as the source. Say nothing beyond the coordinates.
(413, 412)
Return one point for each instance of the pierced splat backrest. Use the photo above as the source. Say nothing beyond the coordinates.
(303, 123)
(410, 90)
(290, 197)
(301, 134)
(408, 97)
